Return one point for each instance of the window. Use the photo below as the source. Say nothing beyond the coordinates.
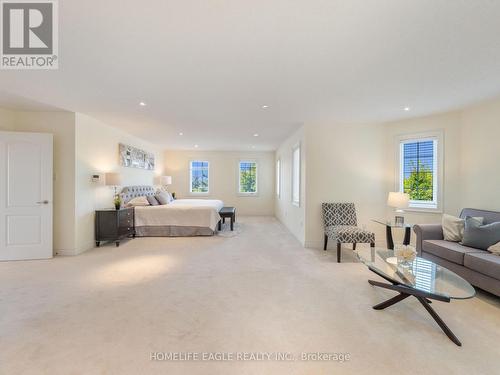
(296, 175)
(419, 171)
(278, 178)
(199, 177)
(247, 177)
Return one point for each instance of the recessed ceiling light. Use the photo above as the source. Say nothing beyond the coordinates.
(253, 146)
(142, 104)
(407, 109)
(256, 135)
(265, 106)
(181, 133)
(195, 146)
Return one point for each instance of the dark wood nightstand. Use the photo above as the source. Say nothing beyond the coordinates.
(113, 225)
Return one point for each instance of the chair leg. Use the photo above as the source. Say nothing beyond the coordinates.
(372, 244)
(354, 246)
(339, 251)
(325, 243)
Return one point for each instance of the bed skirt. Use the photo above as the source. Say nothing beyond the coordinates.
(172, 231)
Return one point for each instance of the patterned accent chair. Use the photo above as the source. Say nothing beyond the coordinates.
(341, 226)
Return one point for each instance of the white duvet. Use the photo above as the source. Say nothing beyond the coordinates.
(181, 212)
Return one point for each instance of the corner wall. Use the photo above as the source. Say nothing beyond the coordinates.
(357, 163)
(345, 164)
(96, 153)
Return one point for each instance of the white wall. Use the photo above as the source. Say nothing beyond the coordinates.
(7, 119)
(61, 125)
(450, 125)
(97, 153)
(224, 178)
(345, 164)
(480, 156)
(471, 157)
(293, 217)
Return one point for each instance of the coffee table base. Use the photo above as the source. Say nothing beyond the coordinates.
(423, 298)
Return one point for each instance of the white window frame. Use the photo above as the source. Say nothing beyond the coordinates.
(278, 178)
(296, 194)
(248, 194)
(436, 205)
(191, 177)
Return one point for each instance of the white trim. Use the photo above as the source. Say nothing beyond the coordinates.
(278, 181)
(191, 177)
(436, 205)
(248, 194)
(295, 148)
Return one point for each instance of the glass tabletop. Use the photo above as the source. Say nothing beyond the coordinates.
(419, 273)
(392, 224)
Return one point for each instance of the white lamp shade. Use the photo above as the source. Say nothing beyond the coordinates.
(398, 200)
(113, 179)
(166, 180)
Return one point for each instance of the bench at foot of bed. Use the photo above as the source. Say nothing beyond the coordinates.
(227, 212)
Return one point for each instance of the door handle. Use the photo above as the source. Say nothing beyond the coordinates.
(43, 202)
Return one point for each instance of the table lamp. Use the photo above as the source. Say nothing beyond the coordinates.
(399, 201)
(115, 180)
(165, 181)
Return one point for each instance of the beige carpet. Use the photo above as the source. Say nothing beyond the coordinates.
(105, 311)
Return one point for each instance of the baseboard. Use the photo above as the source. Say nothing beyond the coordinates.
(66, 252)
(313, 244)
(73, 252)
(319, 244)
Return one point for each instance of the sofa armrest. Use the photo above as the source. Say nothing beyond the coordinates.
(427, 232)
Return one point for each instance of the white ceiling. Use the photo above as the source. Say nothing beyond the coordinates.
(205, 68)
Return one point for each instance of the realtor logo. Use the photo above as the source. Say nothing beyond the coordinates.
(29, 37)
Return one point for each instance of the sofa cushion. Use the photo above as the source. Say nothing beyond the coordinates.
(451, 251)
(495, 249)
(483, 262)
(453, 227)
(480, 236)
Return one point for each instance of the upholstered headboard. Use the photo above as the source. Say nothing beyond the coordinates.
(129, 192)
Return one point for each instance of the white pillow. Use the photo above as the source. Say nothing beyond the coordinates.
(138, 201)
(164, 197)
(495, 249)
(453, 227)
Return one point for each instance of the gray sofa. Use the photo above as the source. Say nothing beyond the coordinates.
(479, 267)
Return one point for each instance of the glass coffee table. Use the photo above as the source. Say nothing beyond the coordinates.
(420, 278)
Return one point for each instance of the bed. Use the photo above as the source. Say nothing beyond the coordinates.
(182, 217)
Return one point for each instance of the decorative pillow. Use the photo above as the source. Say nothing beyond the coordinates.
(495, 249)
(164, 197)
(138, 201)
(480, 236)
(453, 227)
(152, 200)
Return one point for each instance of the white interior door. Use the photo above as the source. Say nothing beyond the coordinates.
(25, 196)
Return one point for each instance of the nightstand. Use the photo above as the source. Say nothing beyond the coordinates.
(113, 225)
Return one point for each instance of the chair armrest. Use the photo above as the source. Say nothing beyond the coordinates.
(427, 232)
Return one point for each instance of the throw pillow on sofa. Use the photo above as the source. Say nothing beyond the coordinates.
(495, 249)
(480, 236)
(453, 227)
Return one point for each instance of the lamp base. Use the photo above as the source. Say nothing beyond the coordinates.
(399, 220)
